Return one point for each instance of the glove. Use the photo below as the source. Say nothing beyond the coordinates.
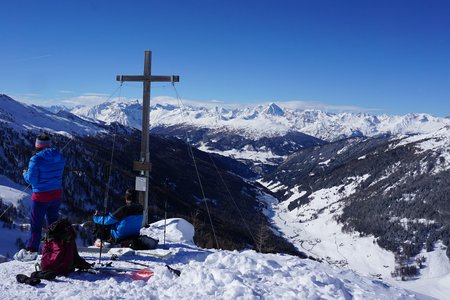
(22, 278)
(84, 265)
(47, 275)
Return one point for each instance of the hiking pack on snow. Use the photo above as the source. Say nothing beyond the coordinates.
(60, 253)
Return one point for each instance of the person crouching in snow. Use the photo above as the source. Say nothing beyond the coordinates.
(44, 174)
(124, 223)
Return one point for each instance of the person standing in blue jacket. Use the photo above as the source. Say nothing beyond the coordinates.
(124, 223)
(44, 174)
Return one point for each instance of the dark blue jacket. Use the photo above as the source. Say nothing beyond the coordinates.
(126, 221)
(45, 170)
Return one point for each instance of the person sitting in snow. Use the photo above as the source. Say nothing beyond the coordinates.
(124, 223)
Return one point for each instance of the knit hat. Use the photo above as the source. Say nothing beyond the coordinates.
(43, 141)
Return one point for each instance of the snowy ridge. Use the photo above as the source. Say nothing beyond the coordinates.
(437, 142)
(205, 274)
(23, 117)
(128, 114)
(265, 120)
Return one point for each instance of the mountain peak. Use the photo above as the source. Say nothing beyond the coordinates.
(274, 110)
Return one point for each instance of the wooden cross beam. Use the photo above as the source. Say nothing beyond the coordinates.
(144, 166)
(152, 78)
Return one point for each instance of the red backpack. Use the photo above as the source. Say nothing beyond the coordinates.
(60, 253)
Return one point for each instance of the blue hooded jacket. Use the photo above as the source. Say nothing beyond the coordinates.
(45, 170)
(126, 221)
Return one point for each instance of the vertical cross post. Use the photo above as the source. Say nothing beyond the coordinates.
(143, 165)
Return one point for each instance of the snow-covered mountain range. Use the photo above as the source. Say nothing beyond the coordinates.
(264, 121)
(323, 190)
(261, 136)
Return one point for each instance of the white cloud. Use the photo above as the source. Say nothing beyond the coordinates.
(187, 102)
(317, 105)
(301, 105)
(94, 98)
(96, 94)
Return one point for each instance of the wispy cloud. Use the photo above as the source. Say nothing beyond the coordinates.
(96, 94)
(92, 98)
(298, 105)
(188, 102)
(318, 105)
(34, 99)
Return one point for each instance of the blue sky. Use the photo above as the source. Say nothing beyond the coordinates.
(379, 57)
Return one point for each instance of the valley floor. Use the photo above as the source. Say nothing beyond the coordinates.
(320, 236)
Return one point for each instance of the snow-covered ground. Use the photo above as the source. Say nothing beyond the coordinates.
(12, 194)
(352, 267)
(248, 153)
(313, 230)
(205, 274)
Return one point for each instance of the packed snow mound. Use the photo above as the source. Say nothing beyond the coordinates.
(176, 231)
